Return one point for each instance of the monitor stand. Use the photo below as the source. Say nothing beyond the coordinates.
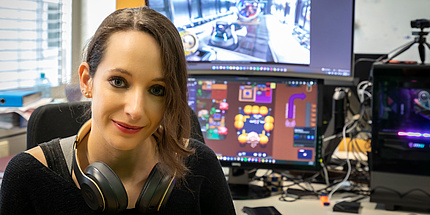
(240, 188)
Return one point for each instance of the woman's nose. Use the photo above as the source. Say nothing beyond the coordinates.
(134, 107)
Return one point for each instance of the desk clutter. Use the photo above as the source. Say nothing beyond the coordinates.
(376, 148)
(16, 107)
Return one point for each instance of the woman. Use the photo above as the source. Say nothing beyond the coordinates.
(136, 146)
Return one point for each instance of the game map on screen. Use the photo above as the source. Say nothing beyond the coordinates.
(257, 119)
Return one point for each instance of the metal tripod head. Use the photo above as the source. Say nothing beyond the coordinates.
(420, 39)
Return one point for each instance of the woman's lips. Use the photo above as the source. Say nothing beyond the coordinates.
(126, 128)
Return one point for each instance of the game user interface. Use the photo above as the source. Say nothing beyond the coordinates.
(257, 119)
(288, 36)
(249, 30)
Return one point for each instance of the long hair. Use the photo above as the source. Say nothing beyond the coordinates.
(175, 127)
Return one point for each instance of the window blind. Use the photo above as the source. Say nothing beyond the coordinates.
(34, 38)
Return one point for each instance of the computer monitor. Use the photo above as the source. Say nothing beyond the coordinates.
(298, 38)
(259, 122)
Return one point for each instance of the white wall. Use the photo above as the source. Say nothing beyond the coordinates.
(384, 25)
(88, 16)
(93, 13)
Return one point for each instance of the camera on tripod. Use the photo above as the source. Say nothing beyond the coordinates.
(420, 39)
(420, 23)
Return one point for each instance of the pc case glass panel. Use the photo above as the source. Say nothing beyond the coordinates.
(401, 118)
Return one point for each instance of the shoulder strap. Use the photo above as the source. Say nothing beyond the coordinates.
(67, 148)
(55, 158)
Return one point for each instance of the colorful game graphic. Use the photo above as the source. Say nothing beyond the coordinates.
(248, 10)
(212, 109)
(290, 121)
(291, 113)
(254, 124)
(259, 93)
(304, 154)
(189, 41)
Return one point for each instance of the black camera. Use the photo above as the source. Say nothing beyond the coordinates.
(420, 23)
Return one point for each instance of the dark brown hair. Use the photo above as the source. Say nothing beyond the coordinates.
(175, 126)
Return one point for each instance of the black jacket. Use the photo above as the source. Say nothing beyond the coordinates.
(29, 187)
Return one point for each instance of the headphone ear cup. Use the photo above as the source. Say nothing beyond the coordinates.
(92, 195)
(155, 192)
(110, 185)
(89, 188)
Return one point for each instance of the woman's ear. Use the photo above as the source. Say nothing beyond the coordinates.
(85, 79)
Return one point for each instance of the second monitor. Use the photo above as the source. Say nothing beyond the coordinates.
(264, 122)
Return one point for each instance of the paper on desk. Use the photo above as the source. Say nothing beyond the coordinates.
(26, 111)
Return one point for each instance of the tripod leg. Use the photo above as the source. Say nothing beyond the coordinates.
(422, 53)
(402, 50)
(428, 46)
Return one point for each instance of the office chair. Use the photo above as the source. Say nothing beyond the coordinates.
(65, 119)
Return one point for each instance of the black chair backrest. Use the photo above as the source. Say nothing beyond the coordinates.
(64, 120)
(56, 121)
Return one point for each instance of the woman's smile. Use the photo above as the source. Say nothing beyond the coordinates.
(126, 128)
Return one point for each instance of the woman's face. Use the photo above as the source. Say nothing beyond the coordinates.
(128, 90)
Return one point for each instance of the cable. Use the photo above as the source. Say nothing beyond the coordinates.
(361, 90)
(355, 118)
(394, 50)
(327, 181)
(330, 138)
(359, 150)
(364, 60)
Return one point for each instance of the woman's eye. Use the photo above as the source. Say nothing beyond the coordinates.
(157, 90)
(118, 82)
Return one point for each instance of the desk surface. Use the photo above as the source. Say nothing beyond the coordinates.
(314, 207)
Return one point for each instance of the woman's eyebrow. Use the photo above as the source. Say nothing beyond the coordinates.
(123, 71)
(159, 79)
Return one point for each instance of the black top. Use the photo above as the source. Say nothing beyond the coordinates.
(29, 187)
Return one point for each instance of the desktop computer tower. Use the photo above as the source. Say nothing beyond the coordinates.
(400, 157)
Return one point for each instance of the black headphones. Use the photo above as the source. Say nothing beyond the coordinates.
(103, 191)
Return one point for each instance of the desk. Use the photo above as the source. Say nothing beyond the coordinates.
(17, 140)
(314, 207)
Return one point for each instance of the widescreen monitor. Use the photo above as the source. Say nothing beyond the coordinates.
(259, 122)
(300, 38)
